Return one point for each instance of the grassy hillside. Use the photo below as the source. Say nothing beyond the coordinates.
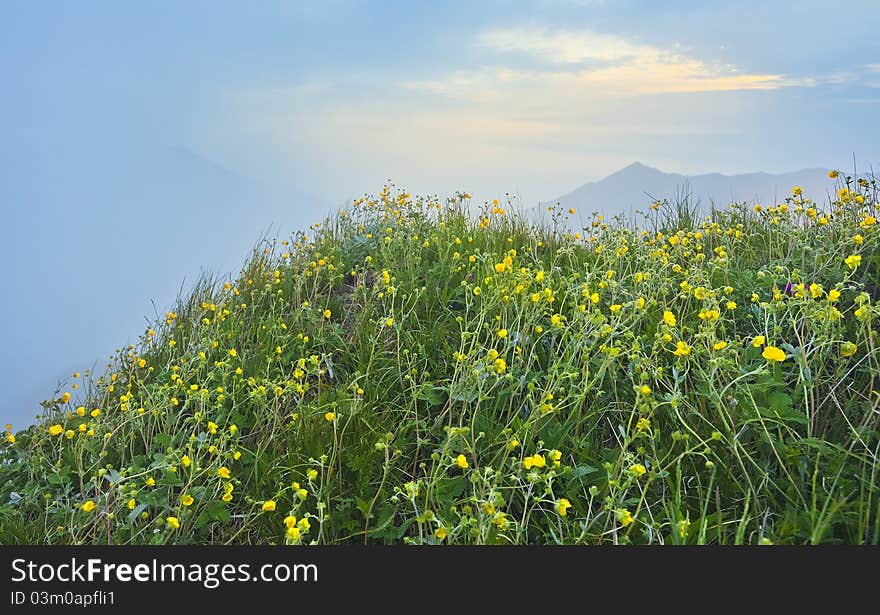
(409, 371)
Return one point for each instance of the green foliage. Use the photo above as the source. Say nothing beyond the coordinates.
(408, 371)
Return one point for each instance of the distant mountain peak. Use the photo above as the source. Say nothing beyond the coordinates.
(629, 188)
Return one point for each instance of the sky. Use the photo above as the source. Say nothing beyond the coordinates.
(144, 143)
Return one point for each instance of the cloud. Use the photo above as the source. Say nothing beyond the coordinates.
(560, 46)
(556, 100)
(598, 66)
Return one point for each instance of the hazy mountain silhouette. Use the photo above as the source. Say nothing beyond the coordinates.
(103, 234)
(637, 186)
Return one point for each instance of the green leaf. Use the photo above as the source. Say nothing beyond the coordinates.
(137, 510)
(433, 395)
(450, 488)
(214, 511)
(779, 402)
(580, 471)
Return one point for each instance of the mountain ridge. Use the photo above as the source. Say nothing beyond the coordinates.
(637, 185)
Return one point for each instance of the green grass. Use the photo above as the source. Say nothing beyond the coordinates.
(412, 371)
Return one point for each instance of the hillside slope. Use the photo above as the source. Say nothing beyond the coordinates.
(406, 371)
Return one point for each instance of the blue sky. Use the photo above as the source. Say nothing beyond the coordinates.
(143, 142)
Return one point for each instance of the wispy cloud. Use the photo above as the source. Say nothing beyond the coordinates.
(560, 46)
(557, 100)
(600, 65)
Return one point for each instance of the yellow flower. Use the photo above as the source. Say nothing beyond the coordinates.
(624, 517)
(10, 438)
(65, 398)
(327, 313)
(772, 353)
(312, 474)
(615, 308)
(461, 461)
(502, 333)
(187, 500)
(500, 366)
(389, 322)
(223, 472)
(683, 526)
(758, 341)
(512, 444)
(858, 240)
(293, 533)
(833, 174)
(95, 413)
(710, 315)
(269, 505)
(645, 390)
(173, 523)
(669, 318)
(848, 349)
(853, 260)
(131, 504)
(55, 430)
(233, 352)
(643, 423)
(535, 461)
(212, 427)
(562, 506)
(88, 506)
(637, 470)
(151, 482)
(440, 533)
(682, 349)
(185, 461)
(330, 417)
(289, 521)
(477, 291)
(500, 520)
